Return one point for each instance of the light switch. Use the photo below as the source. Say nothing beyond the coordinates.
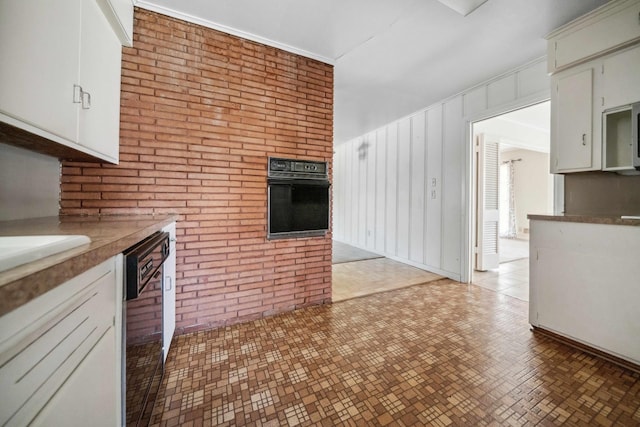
(433, 194)
(433, 182)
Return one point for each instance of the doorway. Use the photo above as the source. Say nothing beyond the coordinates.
(511, 180)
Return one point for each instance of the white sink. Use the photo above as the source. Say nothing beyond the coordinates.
(18, 250)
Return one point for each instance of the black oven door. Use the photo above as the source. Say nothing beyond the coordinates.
(298, 207)
(143, 352)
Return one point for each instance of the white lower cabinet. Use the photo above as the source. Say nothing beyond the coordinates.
(89, 379)
(60, 353)
(584, 284)
(169, 293)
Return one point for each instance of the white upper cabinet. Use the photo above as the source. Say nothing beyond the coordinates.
(621, 78)
(60, 76)
(120, 14)
(572, 103)
(607, 28)
(39, 49)
(100, 63)
(594, 62)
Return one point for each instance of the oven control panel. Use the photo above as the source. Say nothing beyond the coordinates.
(292, 168)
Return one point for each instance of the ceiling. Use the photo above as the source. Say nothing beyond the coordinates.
(391, 57)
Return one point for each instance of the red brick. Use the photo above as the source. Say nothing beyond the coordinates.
(201, 112)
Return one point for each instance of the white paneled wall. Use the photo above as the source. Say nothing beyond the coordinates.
(433, 232)
(452, 178)
(380, 173)
(402, 190)
(417, 186)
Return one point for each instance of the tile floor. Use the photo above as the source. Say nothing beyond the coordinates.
(513, 249)
(341, 252)
(438, 354)
(512, 278)
(359, 278)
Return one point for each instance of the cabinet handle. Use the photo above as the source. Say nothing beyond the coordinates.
(77, 94)
(169, 282)
(584, 139)
(86, 100)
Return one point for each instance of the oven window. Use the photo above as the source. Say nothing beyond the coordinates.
(298, 206)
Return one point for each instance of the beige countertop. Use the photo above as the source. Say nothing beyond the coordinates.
(587, 219)
(110, 235)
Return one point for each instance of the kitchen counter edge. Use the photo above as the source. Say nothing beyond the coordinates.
(586, 219)
(110, 235)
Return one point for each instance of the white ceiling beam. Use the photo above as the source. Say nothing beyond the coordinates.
(463, 7)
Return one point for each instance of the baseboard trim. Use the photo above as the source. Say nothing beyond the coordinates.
(588, 349)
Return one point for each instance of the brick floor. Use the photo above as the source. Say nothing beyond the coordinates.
(437, 354)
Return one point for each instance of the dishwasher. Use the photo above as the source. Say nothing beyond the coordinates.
(143, 361)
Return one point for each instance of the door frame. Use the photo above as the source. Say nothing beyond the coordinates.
(468, 191)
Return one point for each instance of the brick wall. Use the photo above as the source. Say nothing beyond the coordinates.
(201, 111)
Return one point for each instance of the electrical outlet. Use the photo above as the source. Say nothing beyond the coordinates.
(433, 182)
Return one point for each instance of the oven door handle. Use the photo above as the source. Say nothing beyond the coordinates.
(308, 182)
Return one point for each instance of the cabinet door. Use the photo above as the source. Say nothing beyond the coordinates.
(621, 78)
(43, 342)
(39, 66)
(596, 33)
(169, 293)
(90, 395)
(100, 62)
(572, 122)
(570, 263)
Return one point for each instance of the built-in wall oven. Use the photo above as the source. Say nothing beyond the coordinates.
(298, 198)
(143, 361)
